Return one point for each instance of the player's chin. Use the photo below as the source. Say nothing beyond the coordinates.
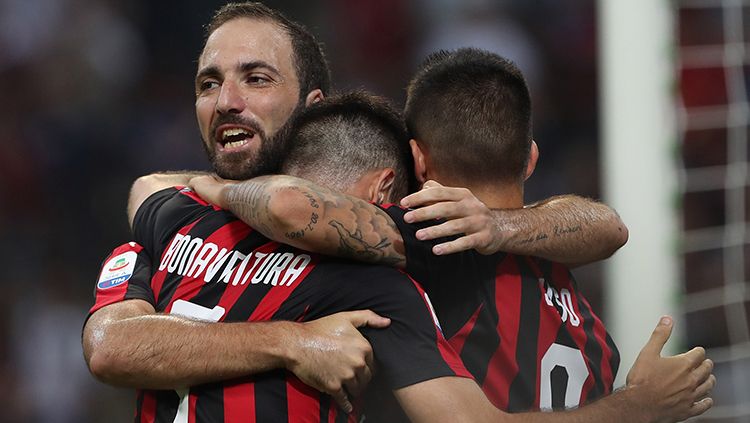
(236, 165)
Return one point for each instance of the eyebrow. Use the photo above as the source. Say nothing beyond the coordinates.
(213, 71)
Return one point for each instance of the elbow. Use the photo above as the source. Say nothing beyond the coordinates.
(623, 235)
(105, 367)
(619, 237)
(100, 366)
(103, 358)
(140, 189)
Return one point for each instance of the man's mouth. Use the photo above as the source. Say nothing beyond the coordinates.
(233, 137)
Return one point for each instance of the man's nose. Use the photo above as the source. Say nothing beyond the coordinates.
(230, 99)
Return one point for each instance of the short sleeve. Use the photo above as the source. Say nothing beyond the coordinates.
(412, 348)
(164, 213)
(125, 274)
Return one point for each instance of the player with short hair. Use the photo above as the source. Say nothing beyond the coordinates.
(522, 328)
(209, 265)
(249, 84)
(247, 89)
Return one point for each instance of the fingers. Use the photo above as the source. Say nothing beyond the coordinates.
(452, 247)
(433, 195)
(446, 209)
(200, 179)
(449, 228)
(357, 384)
(431, 184)
(705, 388)
(342, 400)
(659, 337)
(460, 244)
(701, 407)
(368, 318)
(696, 356)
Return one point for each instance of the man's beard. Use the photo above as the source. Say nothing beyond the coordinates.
(266, 160)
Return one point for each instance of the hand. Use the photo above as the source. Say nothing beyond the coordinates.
(209, 188)
(671, 388)
(464, 213)
(333, 357)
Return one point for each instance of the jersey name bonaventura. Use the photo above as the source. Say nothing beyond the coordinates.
(207, 264)
(521, 326)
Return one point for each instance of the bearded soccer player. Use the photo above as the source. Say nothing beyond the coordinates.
(522, 328)
(255, 71)
(213, 267)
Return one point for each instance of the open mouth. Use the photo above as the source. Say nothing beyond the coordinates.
(233, 137)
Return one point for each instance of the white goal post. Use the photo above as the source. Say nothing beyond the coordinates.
(638, 170)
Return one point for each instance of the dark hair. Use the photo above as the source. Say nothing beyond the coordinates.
(338, 139)
(309, 61)
(472, 110)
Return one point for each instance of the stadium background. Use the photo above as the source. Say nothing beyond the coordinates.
(97, 92)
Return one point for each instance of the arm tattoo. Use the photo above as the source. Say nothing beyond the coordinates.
(300, 233)
(361, 230)
(323, 221)
(556, 232)
(249, 201)
(565, 231)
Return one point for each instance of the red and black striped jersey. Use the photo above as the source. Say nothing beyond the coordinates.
(520, 324)
(207, 264)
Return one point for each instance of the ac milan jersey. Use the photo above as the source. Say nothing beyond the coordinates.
(207, 264)
(520, 324)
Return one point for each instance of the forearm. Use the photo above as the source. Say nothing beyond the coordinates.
(452, 399)
(308, 216)
(619, 407)
(567, 229)
(169, 352)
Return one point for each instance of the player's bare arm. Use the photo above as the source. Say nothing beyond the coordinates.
(659, 390)
(129, 344)
(308, 216)
(567, 229)
(146, 185)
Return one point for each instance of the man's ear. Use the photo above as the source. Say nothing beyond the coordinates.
(420, 165)
(381, 187)
(533, 157)
(313, 96)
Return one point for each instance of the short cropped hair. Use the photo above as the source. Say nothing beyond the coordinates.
(472, 110)
(309, 61)
(337, 140)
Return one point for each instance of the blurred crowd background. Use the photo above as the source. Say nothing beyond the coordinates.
(95, 93)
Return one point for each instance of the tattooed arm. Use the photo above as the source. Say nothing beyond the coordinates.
(568, 229)
(305, 215)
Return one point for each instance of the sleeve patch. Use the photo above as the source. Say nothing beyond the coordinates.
(117, 270)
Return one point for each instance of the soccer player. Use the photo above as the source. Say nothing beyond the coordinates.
(254, 74)
(208, 265)
(522, 328)
(212, 266)
(256, 71)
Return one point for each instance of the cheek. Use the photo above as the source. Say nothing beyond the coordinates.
(203, 112)
(278, 107)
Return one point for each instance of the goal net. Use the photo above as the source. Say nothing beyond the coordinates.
(675, 87)
(713, 118)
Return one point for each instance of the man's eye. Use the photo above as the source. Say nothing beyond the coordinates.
(208, 84)
(257, 79)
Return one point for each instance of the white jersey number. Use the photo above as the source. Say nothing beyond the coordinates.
(572, 361)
